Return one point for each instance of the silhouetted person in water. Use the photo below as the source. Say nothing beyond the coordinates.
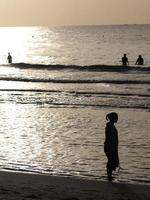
(9, 58)
(111, 144)
(140, 60)
(125, 60)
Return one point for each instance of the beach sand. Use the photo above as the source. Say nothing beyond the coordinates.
(23, 186)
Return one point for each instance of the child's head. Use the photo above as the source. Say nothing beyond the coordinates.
(112, 117)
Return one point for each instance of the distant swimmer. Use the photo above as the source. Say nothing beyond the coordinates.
(125, 60)
(140, 60)
(9, 58)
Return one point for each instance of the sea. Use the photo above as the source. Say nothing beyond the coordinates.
(55, 95)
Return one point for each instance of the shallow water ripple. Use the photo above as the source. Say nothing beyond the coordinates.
(69, 141)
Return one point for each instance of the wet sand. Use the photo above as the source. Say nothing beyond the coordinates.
(23, 186)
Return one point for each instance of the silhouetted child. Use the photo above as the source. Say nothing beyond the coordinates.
(111, 144)
(125, 60)
(9, 58)
(140, 60)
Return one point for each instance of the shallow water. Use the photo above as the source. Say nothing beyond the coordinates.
(58, 128)
(69, 141)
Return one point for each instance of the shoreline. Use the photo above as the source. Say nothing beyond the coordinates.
(18, 186)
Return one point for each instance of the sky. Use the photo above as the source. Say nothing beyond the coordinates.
(73, 12)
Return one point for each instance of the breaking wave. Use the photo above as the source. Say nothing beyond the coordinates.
(75, 81)
(111, 68)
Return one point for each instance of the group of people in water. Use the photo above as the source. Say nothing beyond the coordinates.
(139, 61)
(111, 133)
(125, 61)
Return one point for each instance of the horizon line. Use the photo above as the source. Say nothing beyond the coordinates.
(76, 25)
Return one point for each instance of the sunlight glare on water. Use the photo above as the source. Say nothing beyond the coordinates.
(15, 40)
(75, 45)
(53, 117)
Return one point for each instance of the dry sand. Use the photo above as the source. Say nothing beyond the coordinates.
(23, 186)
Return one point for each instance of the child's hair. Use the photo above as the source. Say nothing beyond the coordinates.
(113, 116)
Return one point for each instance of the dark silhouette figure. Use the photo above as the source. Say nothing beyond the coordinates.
(111, 144)
(140, 60)
(9, 58)
(125, 60)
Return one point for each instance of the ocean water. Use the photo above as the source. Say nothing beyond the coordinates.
(80, 45)
(56, 94)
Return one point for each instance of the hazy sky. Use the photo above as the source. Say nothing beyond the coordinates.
(73, 12)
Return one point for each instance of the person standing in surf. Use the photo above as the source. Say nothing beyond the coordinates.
(125, 60)
(140, 60)
(9, 58)
(111, 144)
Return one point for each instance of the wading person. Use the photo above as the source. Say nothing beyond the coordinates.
(111, 144)
(9, 58)
(125, 60)
(140, 60)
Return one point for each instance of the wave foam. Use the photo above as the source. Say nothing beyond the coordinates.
(111, 68)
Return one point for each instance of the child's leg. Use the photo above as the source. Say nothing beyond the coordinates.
(109, 170)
